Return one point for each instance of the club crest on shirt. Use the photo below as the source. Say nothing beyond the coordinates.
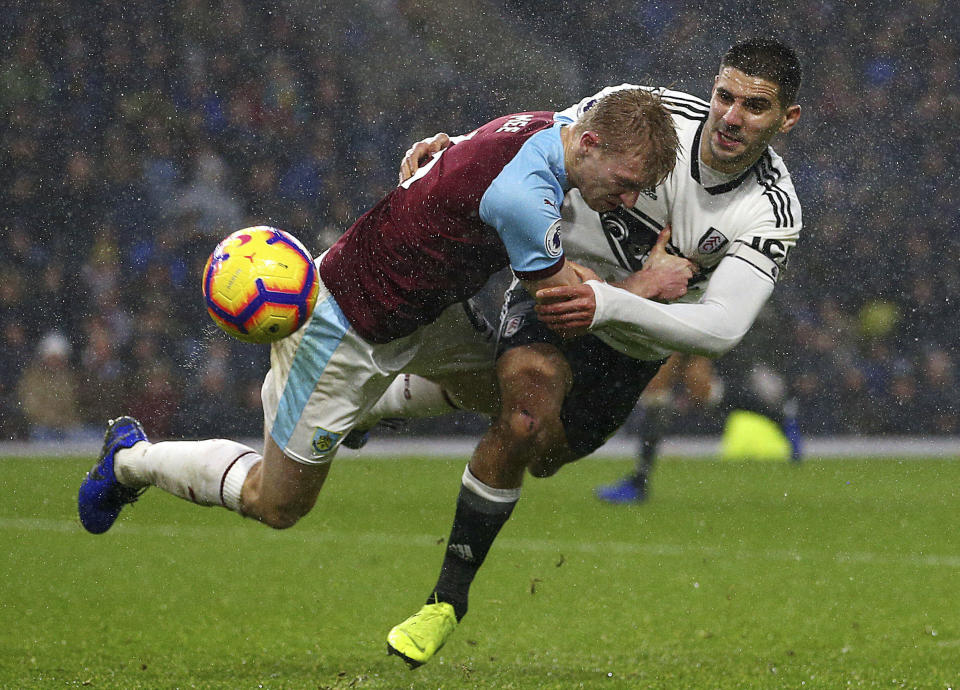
(552, 242)
(512, 325)
(712, 242)
(324, 441)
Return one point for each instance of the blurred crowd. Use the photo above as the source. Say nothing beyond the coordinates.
(136, 134)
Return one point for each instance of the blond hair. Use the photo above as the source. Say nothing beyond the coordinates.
(635, 119)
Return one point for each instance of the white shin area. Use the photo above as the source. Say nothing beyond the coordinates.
(409, 396)
(207, 472)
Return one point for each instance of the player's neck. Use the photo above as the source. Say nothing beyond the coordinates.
(707, 170)
(731, 169)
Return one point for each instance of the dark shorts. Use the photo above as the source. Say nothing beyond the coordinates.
(606, 383)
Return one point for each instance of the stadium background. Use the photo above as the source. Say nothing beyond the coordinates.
(136, 134)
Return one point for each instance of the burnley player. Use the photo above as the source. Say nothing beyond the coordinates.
(729, 207)
(389, 294)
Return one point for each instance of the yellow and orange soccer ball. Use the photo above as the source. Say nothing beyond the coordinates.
(260, 284)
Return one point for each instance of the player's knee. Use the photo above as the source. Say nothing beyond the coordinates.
(538, 441)
(523, 426)
(540, 371)
(549, 462)
(542, 468)
(282, 515)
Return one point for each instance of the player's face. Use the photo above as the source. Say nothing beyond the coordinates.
(744, 116)
(607, 179)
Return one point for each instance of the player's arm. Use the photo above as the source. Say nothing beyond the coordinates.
(664, 276)
(570, 274)
(523, 204)
(734, 297)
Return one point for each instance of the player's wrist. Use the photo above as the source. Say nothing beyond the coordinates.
(641, 284)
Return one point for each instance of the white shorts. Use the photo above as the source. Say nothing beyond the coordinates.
(325, 377)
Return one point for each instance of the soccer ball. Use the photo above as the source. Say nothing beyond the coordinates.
(260, 284)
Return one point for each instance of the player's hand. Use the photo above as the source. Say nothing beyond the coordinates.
(567, 309)
(583, 273)
(420, 153)
(663, 276)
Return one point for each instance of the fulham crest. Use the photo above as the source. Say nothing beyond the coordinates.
(712, 242)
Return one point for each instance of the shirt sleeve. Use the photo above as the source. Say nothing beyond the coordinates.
(711, 327)
(523, 205)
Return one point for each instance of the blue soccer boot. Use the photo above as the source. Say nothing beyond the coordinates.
(632, 489)
(101, 496)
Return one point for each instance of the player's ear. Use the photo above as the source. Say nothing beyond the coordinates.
(588, 140)
(790, 118)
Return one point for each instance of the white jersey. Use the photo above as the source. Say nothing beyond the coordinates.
(753, 217)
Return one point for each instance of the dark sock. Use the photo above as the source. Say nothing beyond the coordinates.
(648, 454)
(476, 524)
(656, 418)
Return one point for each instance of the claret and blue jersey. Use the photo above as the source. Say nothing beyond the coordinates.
(490, 201)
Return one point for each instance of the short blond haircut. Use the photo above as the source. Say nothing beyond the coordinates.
(632, 119)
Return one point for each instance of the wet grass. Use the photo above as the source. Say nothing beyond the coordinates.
(837, 573)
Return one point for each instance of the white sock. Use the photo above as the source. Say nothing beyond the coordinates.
(205, 472)
(407, 397)
(488, 492)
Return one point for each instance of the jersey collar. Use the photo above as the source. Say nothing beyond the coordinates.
(695, 168)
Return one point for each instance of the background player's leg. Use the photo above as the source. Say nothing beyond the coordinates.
(656, 421)
(703, 390)
(656, 408)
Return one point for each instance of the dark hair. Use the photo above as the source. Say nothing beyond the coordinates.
(771, 60)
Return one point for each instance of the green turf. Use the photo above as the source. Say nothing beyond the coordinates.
(833, 574)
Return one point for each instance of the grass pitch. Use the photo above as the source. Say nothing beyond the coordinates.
(832, 574)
